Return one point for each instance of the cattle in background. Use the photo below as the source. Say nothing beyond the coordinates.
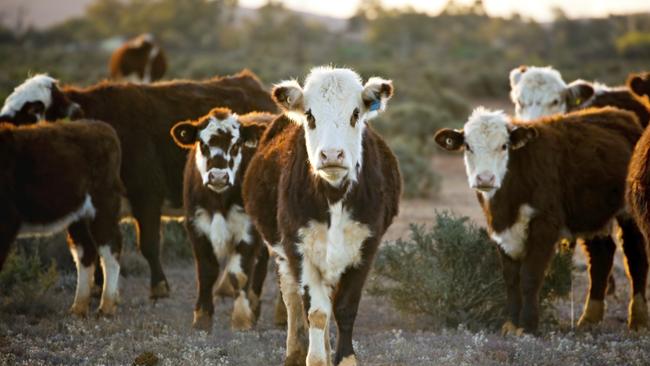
(221, 144)
(541, 91)
(541, 181)
(140, 58)
(638, 179)
(322, 189)
(142, 115)
(65, 175)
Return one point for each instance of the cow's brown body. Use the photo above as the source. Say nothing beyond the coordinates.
(282, 196)
(140, 57)
(55, 175)
(573, 177)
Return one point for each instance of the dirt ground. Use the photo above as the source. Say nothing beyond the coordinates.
(382, 336)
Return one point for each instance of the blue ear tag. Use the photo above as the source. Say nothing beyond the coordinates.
(375, 105)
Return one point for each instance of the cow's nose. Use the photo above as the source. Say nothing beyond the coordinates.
(485, 179)
(331, 156)
(216, 177)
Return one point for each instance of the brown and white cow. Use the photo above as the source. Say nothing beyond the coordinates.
(65, 175)
(541, 91)
(541, 181)
(221, 145)
(140, 58)
(142, 115)
(638, 179)
(322, 189)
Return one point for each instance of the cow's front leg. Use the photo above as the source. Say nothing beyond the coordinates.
(511, 268)
(296, 337)
(540, 245)
(318, 304)
(600, 252)
(207, 270)
(239, 268)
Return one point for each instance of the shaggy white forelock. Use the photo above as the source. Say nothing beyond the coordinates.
(36, 88)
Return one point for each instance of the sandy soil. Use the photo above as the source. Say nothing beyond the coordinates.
(382, 336)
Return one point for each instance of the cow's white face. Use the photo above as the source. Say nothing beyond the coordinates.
(540, 91)
(487, 138)
(30, 98)
(333, 108)
(219, 140)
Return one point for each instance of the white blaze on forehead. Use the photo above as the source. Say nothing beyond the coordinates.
(216, 127)
(485, 133)
(332, 95)
(35, 89)
(535, 92)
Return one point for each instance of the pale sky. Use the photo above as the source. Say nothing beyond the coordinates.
(538, 9)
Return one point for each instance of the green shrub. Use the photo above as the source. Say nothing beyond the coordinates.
(451, 274)
(419, 178)
(26, 284)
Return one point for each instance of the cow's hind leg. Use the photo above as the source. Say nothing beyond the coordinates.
(84, 252)
(636, 266)
(239, 270)
(147, 215)
(258, 276)
(600, 251)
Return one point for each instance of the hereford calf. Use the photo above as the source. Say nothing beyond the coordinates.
(65, 175)
(221, 145)
(322, 189)
(140, 58)
(541, 91)
(142, 115)
(541, 181)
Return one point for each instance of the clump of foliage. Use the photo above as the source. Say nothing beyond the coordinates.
(419, 178)
(451, 274)
(25, 283)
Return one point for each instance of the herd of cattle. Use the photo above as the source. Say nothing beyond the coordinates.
(299, 175)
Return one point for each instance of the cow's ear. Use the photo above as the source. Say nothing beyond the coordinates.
(639, 84)
(520, 136)
(577, 93)
(515, 75)
(449, 139)
(184, 134)
(375, 95)
(288, 95)
(252, 133)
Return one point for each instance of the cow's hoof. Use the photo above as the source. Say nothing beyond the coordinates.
(637, 313)
(256, 306)
(80, 310)
(224, 287)
(107, 308)
(202, 321)
(593, 314)
(159, 291)
(296, 359)
(351, 360)
(317, 361)
(242, 315)
(509, 328)
(280, 314)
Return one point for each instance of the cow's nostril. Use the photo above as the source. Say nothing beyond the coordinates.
(323, 156)
(340, 155)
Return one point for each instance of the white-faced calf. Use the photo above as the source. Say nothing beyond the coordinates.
(221, 145)
(65, 175)
(322, 189)
(541, 181)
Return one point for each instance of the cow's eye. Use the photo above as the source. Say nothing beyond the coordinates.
(555, 102)
(355, 117)
(311, 121)
(504, 147)
(521, 103)
(205, 150)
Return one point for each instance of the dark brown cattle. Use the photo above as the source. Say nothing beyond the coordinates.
(322, 190)
(638, 179)
(221, 145)
(562, 176)
(140, 57)
(65, 175)
(142, 115)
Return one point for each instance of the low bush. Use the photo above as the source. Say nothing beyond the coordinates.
(419, 178)
(451, 274)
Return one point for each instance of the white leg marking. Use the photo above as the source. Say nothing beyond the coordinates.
(111, 270)
(85, 277)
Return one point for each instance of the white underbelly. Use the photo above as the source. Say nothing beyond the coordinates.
(85, 211)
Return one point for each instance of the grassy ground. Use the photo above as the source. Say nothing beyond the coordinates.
(47, 335)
